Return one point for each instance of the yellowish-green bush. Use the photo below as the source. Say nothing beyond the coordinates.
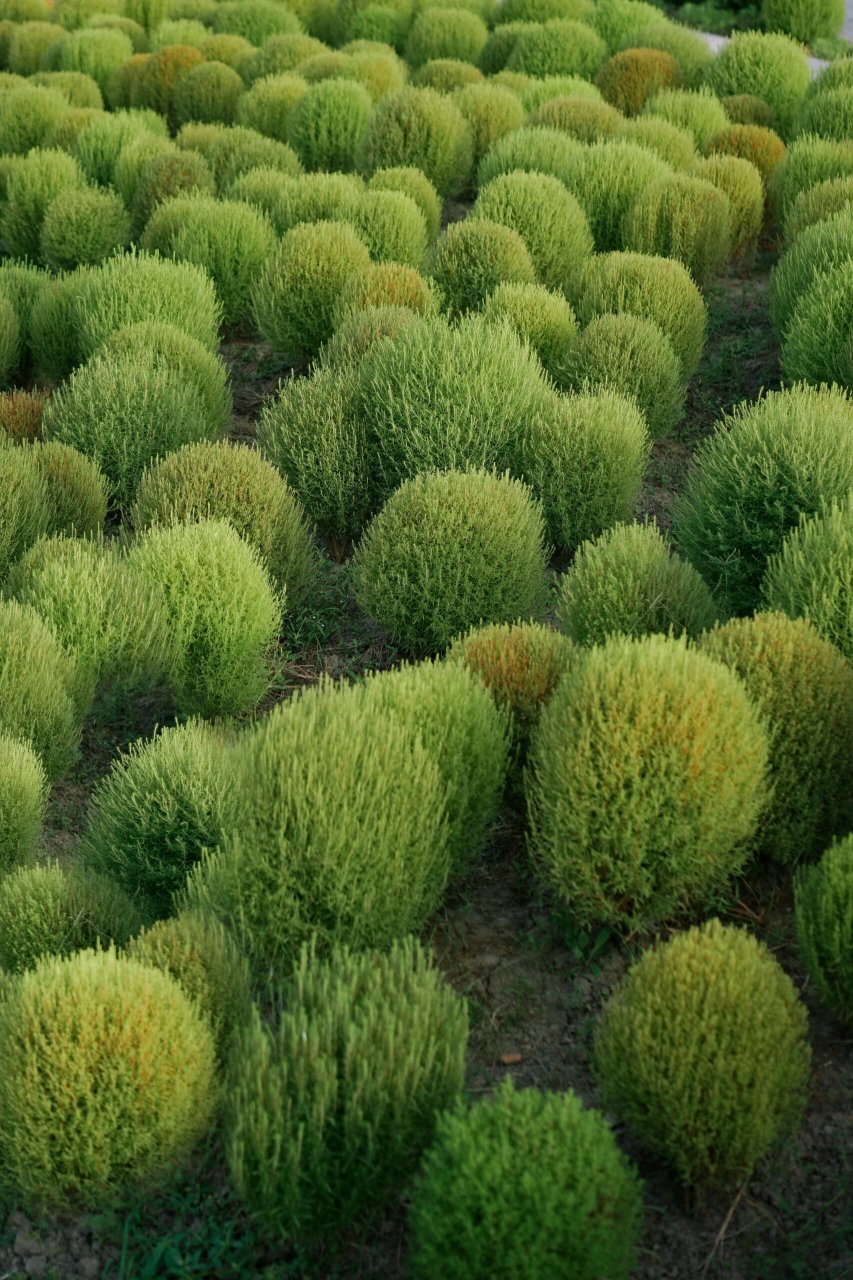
(447, 74)
(820, 248)
(445, 33)
(811, 575)
(208, 93)
(34, 182)
(76, 490)
(177, 31)
(530, 150)
(696, 110)
(607, 178)
(23, 798)
(280, 54)
(82, 227)
(682, 217)
(132, 159)
(10, 341)
(755, 143)
(824, 916)
(270, 102)
(631, 77)
(29, 42)
(471, 258)
(98, 146)
(25, 510)
(163, 176)
(391, 225)
(491, 111)
(327, 125)
(255, 20)
(816, 347)
(385, 284)
(580, 118)
(95, 53)
(421, 127)
(500, 44)
(674, 145)
(558, 47)
(816, 204)
(121, 90)
(740, 182)
(827, 115)
(232, 50)
(93, 1098)
(27, 115)
(232, 150)
(358, 333)
(617, 21)
(808, 161)
(310, 197)
(803, 21)
(703, 1052)
(771, 66)
(542, 319)
(412, 182)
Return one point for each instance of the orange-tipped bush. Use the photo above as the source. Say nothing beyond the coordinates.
(161, 75)
(629, 79)
(761, 147)
(20, 413)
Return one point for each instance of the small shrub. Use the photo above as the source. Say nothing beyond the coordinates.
(76, 490)
(550, 221)
(827, 115)
(391, 225)
(131, 161)
(559, 47)
(171, 173)
(380, 72)
(99, 145)
(631, 77)
(697, 111)
(500, 44)
(177, 31)
(816, 347)
(491, 111)
(164, 803)
(581, 118)
(769, 65)
(269, 104)
(608, 178)
(682, 217)
(807, 162)
(543, 320)
(32, 185)
(82, 227)
(810, 576)
(359, 332)
(760, 146)
(687, 47)
(420, 127)
(29, 42)
(328, 123)
(312, 197)
(577, 1211)
(530, 150)
(48, 911)
(445, 33)
(208, 93)
(23, 799)
(817, 204)
(824, 916)
(27, 115)
(619, 21)
(775, 460)
(121, 91)
(231, 50)
(255, 20)
(825, 246)
(36, 679)
(10, 341)
(746, 108)
(627, 582)
(473, 257)
(26, 511)
(148, 13)
(667, 141)
(321, 1127)
(160, 76)
(281, 54)
(233, 150)
(805, 22)
(703, 1052)
(740, 182)
(411, 182)
(95, 53)
(93, 1098)
(447, 74)
(541, 10)
(535, 93)
(647, 781)
(20, 414)
(382, 285)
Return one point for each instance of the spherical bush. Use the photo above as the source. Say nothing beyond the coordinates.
(100, 143)
(23, 799)
(209, 92)
(82, 227)
(420, 127)
(682, 217)
(746, 108)
(760, 146)
(543, 320)
(687, 47)
(27, 115)
(608, 178)
(32, 185)
(412, 182)
(804, 689)
(447, 74)
(807, 162)
(619, 21)
(541, 10)
(95, 53)
(310, 197)
(93, 1097)
(535, 93)
(171, 173)
(280, 54)
(10, 341)
(29, 42)
(383, 285)
(269, 104)
(491, 568)
(473, 257)
(342, 835)
(391, 225)
(816, 204)
(628, 582)
(551, 223)
(824, 916)
(580, 118)
(328, 123)
(778, 459)
(255, 20)
(827, 115)
(77, 490)
(500, 44)
(530, 150)
(810, 576)
(177, 31)
(821, 248)
(358, 333)
(25, 513)
(559, 47)
(321, 1126)
(658, 289)
(703, 1052)
(231, 50)
(805, 22)
(232, 150)
(576, 1213)
(698, 111)
(297, 292)
(48, 911)
(740, 182)
(223, 612)
(769, 65)
(445, 33)
(633, 356)
(630, 78)
(160, 75)
(491, 111)
(647, 782)
(36, 683)
(163, 804)
(817, 346)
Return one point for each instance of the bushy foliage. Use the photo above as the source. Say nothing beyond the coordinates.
(93, 1098)
(385, 284)
(767, 64)
(96, 53)
(27, 115)
(280, 54)
(535, 93)
(816, 347)
(445, 33)
(327, 124)
(747, 108)
(581, 118)
(36, 684)
(696, 110)
(76, 490)
(824, 916)
(208, 93)
(165, 175)
(49, 911)
(682, 217)
(628, 582)
(358, 332)
(687, 47)
(412, 182)
(608, 178)
(619, 22)
(559, 47)
(231, 50)
(827, 115)
(255, 20)
(805, 20)
(310, 197)
(177, 31)
(34, 182)
(576, 1213)
(233, 150)
(491, 111)
(703, 1052)
(541, 10)
(10, 341)
(549, 220)
(530, 150)
(29, 42)
(342, 835)
(447, 74)
(23, 798)
(20, 414)
(165, 802)
(542, 319)
(760, 146)
(25, 510)
(631, 77)
(809, 160)
(773, 461)
(223, 613)
(811, 576)
(473, 257)
(816, 204)
(819, 249)
(391, 225)
(269, 104)
(160, 75)
(740, 182)
(647, 781)
(98, 146)
(332, 1105)
(500, 44)
(421, 127)
(82, 227)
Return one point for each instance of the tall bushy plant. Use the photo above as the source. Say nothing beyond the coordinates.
(23, 797)
(328, 123)
(811, 576)
(473, 257)
(421, 127)
(824, 916)
(682, 217)
(37, 680)
(549, 220)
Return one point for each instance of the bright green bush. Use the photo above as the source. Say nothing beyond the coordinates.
(491, 111)
(544, 320)
(820, 248)
(391, 225)
(161, 177)
(696, 110)
(816, 347)
(10, 341)
(165, 802)
(100, 143)
(359, 332)
(530, 150)
(703, 1052)
(575, 1213)
(27, 115)
(231, 50)
(177, 31)
(658, 289)
(29, 42)
(383, 22)
(535, 93)
(559, 47)
(380, 71)
(627, 582)
(581, 118)
(310, 197)
(473, 257)
(95, 53)
(824, 916)
(445, 33)
(447, 74)
(48, 911)
(148, 13)
(827, 115)
(608, 178)
(682, 217)
(816, 204)
(760, 146)
(269, 104)
(412, 182)
(385, 284)
(810, 576)
(808, 161)
(500, 44)
(82, 227)
(208, 93)
(674, 145)
(121, 91)
(21, 284)
(633, 356)
(631, 77)
(769, 65)
(618, 21)
(25, 512)
(255, 20)
(93, 1097)
(342, 835)
(447, 551)
(647, 782)
(549, 220)
(233, 150)
(223, 613)
(23, 798)
(234, 483)
(541, 10)
(281, 54)
(132, 159)
(805, 20)
(804, 688)
(420, 127)
(773, 461)
(76, 490)
(116, 22)
(331, 1106)
(740, 182)
(328, 123)
(35, 181)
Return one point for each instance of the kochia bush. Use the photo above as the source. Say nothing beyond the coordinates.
(421, 127)
(36, 687)
(445, 33)
(328, 123)
(824, 916)
(549, 220)
(682, 217)
(580, 118)
(698, 111)
(805, 20)
(471, 258)
(392, 226)
(630, 78)
(23, 797)
(607, 178)
(82, 227)
(542, 319)
(559, 47)
(412, 182)
(209, 92)
(740, 182)
(767, 64)
(755, 143)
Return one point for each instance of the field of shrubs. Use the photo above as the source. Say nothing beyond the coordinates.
(426, 642)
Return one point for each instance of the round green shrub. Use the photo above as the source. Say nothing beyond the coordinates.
(255, 20)
(160, 75)
(342, 835)
(148, 13)
(773, 461)
(445, 33)
(824, 916)
(549, 220)
(391, 225)
(816, 204)
(575, 1214)
(740, 182)
(23, 799)
(491, 111)
(633, 356)
(804, 688)
(648, 777)
(21, 284)
(500, 44)
(581, 118)
(421, 127)
(328, 123)
(48, 911)
(810, 576)
(310, 197)
(332, 1105)
(657, 289)
(115, 22)
(223, 613)
(827, 115)
(447, 74)
(232, 150)
(804, 21)
(703, 1052)
(93, 1097)
(383, 22)
(161, 177)
(473, 257)
(27, 115)
(165, 802)
(542, 319)
(816, 347)
(682, 217)
(36, 683)
(760, 146)
(208, 93)
(834, 76)
(385, 284)
(449, 550)
(627, 582)
(631, 77)
(131, 161)
(696, 110)
(29, 42)
(412, 182)
(380, 71)
(230, 482)
(767, 64)
(559, 47)
(530, 150)
(269, 103)
(535, 93)
(608, 178)
(100, 143)
(358, 333)
(82, 227)
(122, 89)
(296, 294)
(618, 21)
(541, 10)
(231, 50)
(177, 31)
(667, 141)
(808, 161)
(76, 490)
(10, 341)
(25, 512)
(280, 54)
(95, 53)
(32, 185)
(746, 108)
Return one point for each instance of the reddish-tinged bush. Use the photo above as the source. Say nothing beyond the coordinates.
(629, 79)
